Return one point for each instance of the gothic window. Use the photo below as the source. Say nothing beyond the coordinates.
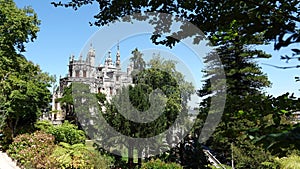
(111, 90)
(99, 90)
(84, 73)
(77, 73)
(117, 78)
(70, 72)
(55, 105)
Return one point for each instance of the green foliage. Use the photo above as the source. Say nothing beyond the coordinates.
(67, 104)
(43, 125)
(79, 156)
(158, 164)
(67, 96)
(138, 62)
(225, 166)
(147, 81)
(252, 121)
(274, 20)
(244, 81)
(290, 162)
(249, 155)
(24, 89)
(188, 153)
(250, 117)
(33, 150)
(26, 93)
(37, 150)
(66, 132)
(101, 97)
(17, 27)
(186, 88)
(137, 99)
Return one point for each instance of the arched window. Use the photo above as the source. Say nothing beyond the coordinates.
(55, 105)
(76, 73)
(111, 90)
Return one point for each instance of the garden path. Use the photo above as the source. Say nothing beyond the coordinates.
(6, 162)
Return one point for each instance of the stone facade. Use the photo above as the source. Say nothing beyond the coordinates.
(107, 79)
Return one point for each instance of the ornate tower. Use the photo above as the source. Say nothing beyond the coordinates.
(118, 60)
(91, 56)
(109, 60)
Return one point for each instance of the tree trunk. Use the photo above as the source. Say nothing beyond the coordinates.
(15, 127)
(181, 151)
(130, 154)
(140, 151)
(11, 127)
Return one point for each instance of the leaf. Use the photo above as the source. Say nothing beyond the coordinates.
(241, 112)
(283, 111)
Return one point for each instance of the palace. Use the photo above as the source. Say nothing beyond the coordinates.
(107, 79)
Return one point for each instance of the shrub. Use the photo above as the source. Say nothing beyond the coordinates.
(290, 162)
(37, 150)
(33, 150)
(79, 156)
(66, 132)
(43, 125)
(158, 164)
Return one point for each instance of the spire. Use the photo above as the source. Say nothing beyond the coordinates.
(118, 47)
(109, 60)
(91, 55)
(91, 52)
(118, 61)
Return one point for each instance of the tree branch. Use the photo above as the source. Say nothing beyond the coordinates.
(282, 67)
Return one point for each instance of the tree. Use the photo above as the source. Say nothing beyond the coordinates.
(186, 88)
(138, 63)
(67, 102)
(135, 103)
(278, 21)
(244, 81)
(17, 27)
(26, 95)
(24, 87)
(147, 81)
(249, 114)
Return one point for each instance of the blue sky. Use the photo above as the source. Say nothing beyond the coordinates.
(64, 32)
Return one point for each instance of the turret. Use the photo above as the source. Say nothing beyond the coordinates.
(118, 56)
(130, 68)
(109, 60)
(91, 56)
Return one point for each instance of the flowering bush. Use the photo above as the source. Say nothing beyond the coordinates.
(37, 150)
(33, 150)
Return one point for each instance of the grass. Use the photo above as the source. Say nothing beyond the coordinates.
(89, 144)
